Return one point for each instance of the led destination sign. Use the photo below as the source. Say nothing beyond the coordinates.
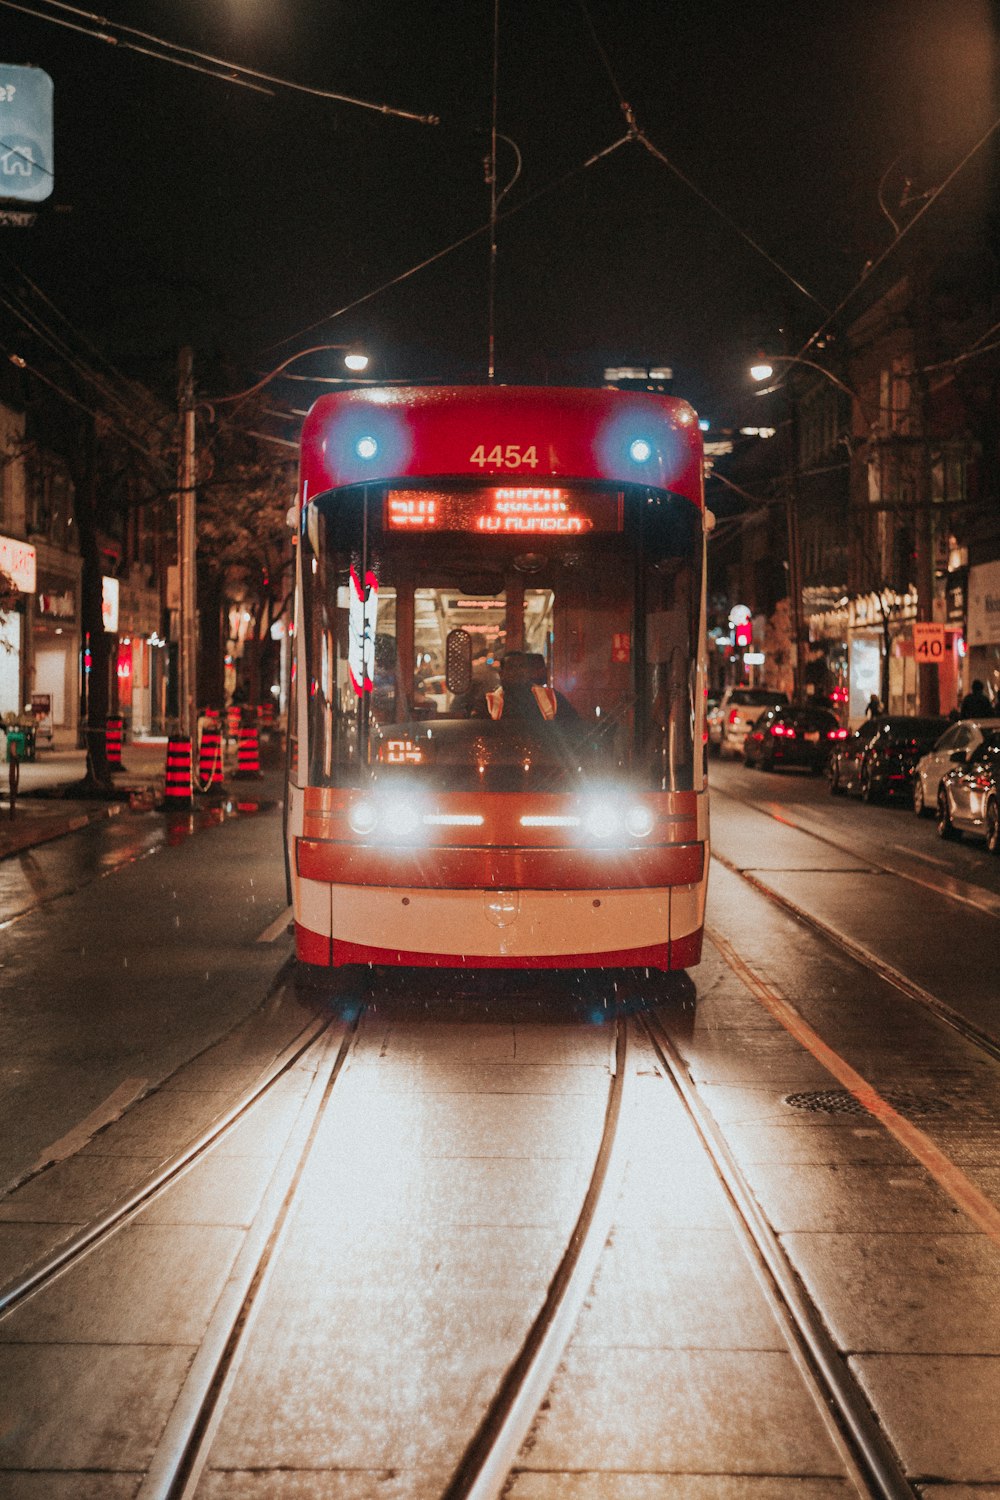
(505, 511)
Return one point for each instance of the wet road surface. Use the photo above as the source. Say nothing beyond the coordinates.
(451, 1160)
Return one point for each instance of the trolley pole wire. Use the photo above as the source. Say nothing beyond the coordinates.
(492, 173)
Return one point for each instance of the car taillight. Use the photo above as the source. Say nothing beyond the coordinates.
(779, 731)
(836, 734)
(734, 716)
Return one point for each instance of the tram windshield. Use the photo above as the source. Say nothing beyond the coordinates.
(473, 637)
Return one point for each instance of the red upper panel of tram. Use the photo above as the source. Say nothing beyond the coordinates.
(510, 434)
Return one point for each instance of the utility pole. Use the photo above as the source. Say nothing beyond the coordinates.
(187, 566)
(792, 507)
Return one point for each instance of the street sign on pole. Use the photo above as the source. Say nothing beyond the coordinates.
(928, 643)
(26, 136)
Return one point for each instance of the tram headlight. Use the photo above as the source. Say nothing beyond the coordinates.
(601, 821)
(640, 450)
(363, 816)
(401, 817)
(366, 447)
(639, 821)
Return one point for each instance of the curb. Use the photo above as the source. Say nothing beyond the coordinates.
(44, 830)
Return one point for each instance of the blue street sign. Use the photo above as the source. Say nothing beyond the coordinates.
(26, 157)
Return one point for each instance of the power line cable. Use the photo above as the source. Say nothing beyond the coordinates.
(682, 177)
(52, 340)
(236, 73)
(114, 41)
(449, 249)
(924, 208)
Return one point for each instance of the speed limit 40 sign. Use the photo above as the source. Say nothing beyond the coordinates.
(928, 643)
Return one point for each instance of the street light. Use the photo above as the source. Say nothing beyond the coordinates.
(355, 359)
(763, 368)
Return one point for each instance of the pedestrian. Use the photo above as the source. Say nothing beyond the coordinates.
(874, 707)
(976, 705)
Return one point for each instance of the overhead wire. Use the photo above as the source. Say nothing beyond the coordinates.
(465, 239)
(640, 135)
(236, 73)
(58, 345)
(880, 259)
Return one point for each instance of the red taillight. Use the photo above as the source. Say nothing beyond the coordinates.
(836, 734)
(782, 731)
(734, 716)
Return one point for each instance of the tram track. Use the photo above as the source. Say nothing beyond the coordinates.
(968, 1030)
(72, 1251)
(984, 1040)
(182, 1453)
(490, 1454)
(869, 1460)
(183, 1456)
(952, 888)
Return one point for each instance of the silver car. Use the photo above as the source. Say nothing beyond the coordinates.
(958, 743)
(739, 711)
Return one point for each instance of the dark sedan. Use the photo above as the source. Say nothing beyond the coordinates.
(969, 796)
(796, 735)
(878, 760)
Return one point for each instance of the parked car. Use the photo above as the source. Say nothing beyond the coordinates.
(844, 764)
(798, 735)
(879, 758)
(968, 799)
(955, 746)
(740, 708)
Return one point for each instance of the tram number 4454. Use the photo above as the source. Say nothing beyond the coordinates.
(928, 642)
(512, 456)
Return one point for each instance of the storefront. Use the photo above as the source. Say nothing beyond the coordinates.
(983, 627)
(18, 560)
(56, 641)
(139, 662)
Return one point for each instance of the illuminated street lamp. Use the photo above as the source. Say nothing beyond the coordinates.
(763, 369)
(355, 360)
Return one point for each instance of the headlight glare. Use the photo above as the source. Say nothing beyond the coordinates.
(602, 821)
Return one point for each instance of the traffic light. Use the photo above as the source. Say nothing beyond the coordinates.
(744, 635)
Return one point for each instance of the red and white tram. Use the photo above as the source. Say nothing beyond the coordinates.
(496, 730)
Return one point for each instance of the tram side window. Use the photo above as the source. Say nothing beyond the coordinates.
(670, 674)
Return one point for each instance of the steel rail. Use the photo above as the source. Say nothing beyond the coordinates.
(869, 1459)
(484, 1467)
(987, 908)
(182, 1452)
(944, 1012)
(73, 1250)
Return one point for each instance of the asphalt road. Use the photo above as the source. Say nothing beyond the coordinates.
(841, 1033)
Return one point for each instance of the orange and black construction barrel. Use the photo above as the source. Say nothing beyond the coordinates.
(210, 756)
(247, 754)
(115, 733)
(177, 789)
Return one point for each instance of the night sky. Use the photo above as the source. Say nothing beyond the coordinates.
(187, 209)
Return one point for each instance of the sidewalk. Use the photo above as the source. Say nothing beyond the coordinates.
(46, 808)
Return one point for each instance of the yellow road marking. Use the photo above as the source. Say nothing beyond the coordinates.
(962, 1192)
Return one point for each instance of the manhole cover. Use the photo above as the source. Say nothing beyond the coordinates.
(842, 1102)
